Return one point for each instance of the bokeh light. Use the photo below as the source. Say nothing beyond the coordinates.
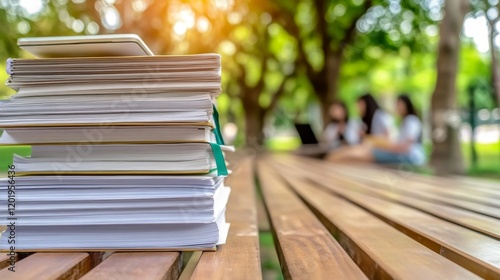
(31, 6)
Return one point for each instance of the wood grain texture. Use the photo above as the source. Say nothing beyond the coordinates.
(5, 260)
(472, 250)
(478, 182)
(446, 187)
(138, 265)
(305, 247)
(50, 266)
(239, 258)
(434, 193)
(486, 225)
(379, 249)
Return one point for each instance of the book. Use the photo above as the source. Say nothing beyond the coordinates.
(179, 205)
(172, 211)
(125, 237)
(62, 76)
(186, 158)
(127, 152)
(106, 134)
(88, 45)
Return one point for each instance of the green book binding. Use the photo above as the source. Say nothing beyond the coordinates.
(218, 134)
(220, 162)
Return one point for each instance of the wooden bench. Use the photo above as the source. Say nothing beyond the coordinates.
(238, 259)
(466, 238)
(328, 221)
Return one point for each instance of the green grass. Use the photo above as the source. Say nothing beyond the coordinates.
(7, 153)
(269, 260)
(488, 164)
(282, 143)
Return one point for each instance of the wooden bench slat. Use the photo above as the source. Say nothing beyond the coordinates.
(478, 182)
(477, 252)
(138, 265)
(447, 187)
(305, 247)
(474, 221)
(5, 260)
(239, 258)
(50, 266)
(424, 191)
(469, 190)
(379, 249)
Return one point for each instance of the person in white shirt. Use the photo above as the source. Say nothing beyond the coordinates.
(377, 123)
(342, 130)
(407, 149)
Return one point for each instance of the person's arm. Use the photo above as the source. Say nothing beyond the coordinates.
(381, 129)
(410, 131)
(330, 134)
(353, 132)
(387, 123)
(398, 147)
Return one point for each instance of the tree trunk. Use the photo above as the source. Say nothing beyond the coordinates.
(327, 82)
(495, 71)
(254, 124)
(446, 155)
(254, 121)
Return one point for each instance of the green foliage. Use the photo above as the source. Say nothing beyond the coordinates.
(7, 153)
(272, 43)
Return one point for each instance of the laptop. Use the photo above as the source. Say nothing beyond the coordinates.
(306, 134)
(310, 144)
(85, 46)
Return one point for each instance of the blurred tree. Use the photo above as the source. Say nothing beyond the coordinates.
(261, 63)
(274, 53)
(447, 155)
(493, 19)
(331, 33)
(490, 9)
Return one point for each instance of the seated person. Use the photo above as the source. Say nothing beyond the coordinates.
(377, 122)
(408, 148)
(341, 130)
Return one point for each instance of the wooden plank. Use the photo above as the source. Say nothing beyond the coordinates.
(420, 190)
(5, 260)
(305, 247)
(482, 182)
(447, 187)
(379, 249)
(471, 250)
(239, 258)
(138, 265)
(190, 265)
(474, 221)
(50, 266)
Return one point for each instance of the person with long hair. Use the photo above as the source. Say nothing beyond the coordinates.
(407, 149)
(341, 130)
(377, 123)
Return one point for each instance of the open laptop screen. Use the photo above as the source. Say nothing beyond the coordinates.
(306, 133)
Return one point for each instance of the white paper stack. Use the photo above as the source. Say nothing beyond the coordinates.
(126, 153)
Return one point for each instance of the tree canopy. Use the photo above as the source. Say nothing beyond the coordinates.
(279, 57)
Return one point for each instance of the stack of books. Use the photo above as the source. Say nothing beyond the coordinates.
(126, 154)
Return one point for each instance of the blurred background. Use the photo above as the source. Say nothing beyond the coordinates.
(287, 60)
